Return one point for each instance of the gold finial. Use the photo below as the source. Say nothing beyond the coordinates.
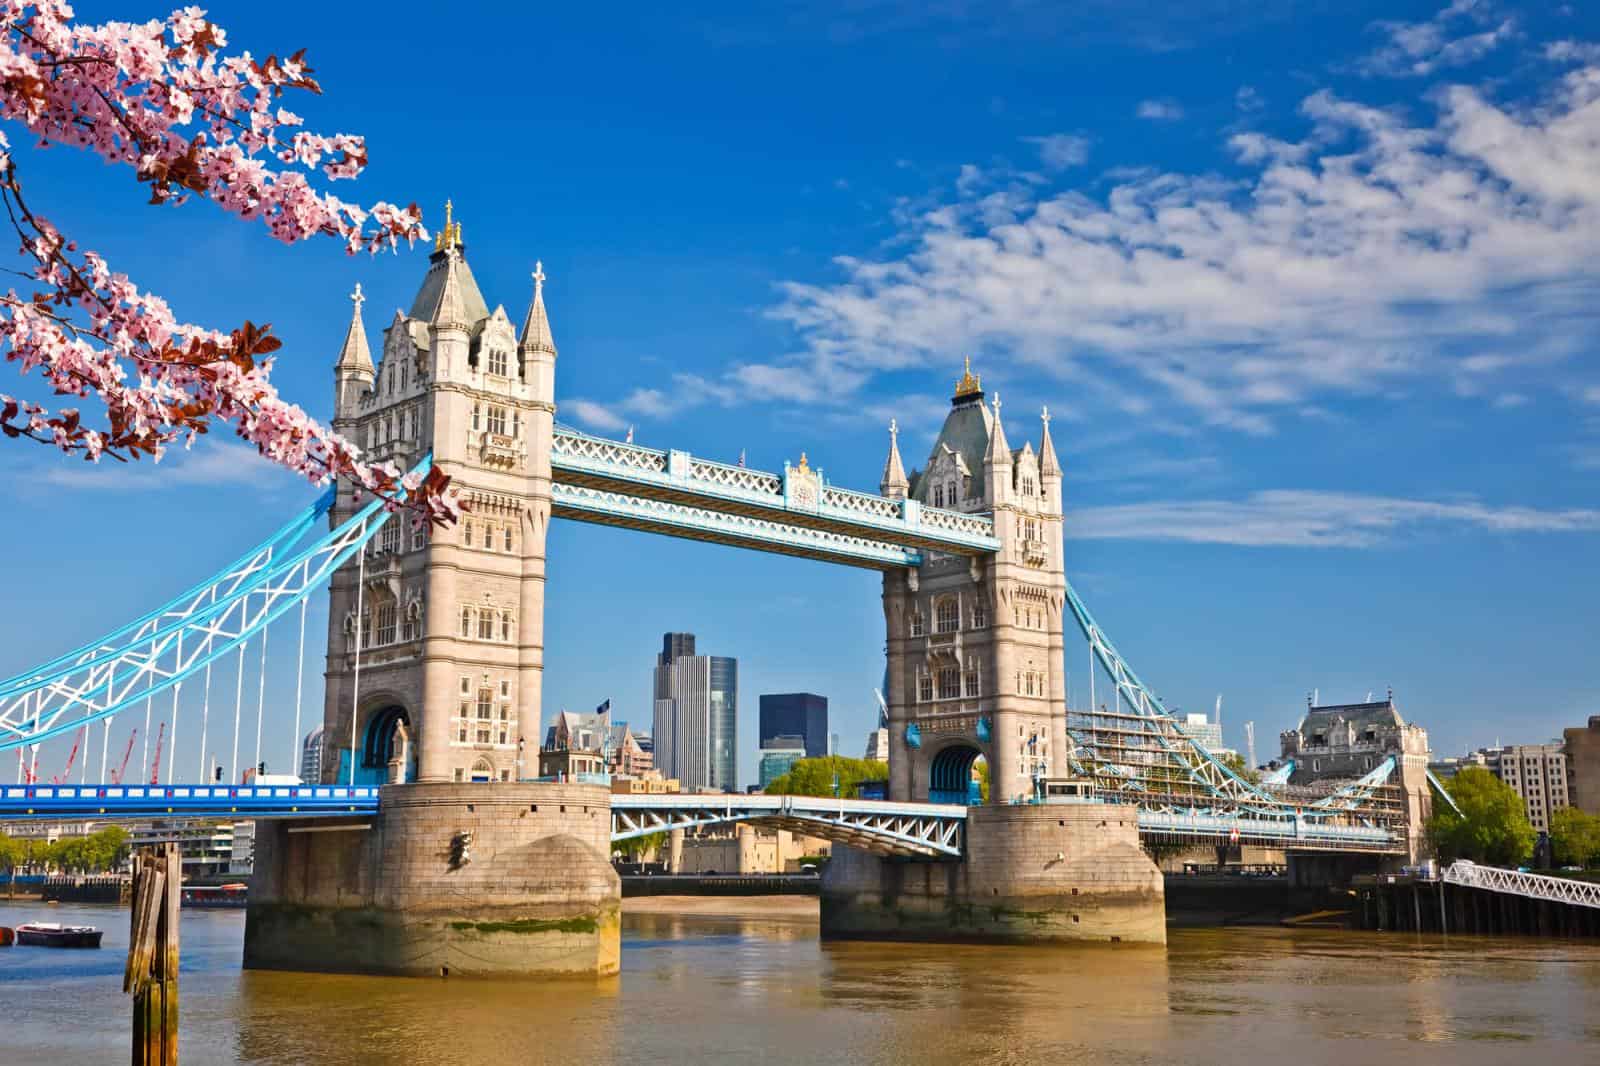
(450, 235)
(970, 384)
(803, 466)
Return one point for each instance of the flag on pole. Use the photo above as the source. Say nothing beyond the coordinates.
(741, 457)
(630, 435)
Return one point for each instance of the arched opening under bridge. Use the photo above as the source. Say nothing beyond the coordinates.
(382, 743)
(955, 774)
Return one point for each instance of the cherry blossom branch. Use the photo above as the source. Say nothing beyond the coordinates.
(163, 98)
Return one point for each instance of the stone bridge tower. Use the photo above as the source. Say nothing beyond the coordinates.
(450, 622)
(975, 647)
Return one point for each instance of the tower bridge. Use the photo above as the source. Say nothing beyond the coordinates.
(434, 658)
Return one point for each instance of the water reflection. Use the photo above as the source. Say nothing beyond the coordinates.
(698, 989)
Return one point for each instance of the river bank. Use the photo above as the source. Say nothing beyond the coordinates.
(796, 908)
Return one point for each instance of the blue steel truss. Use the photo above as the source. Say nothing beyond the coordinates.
(796, 512)
(914, 830)
(112, 802)
(163, 648)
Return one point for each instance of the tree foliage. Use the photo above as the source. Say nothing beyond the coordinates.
(1492, 826)
(94, 853)
(1235, 762)
(1574, 837)
(815, 777)
(165, 100)
(635, 847)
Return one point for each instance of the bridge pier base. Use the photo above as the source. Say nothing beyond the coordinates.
(1068, 872)
(446, 880)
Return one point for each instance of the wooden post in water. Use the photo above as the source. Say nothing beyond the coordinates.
(151, 976)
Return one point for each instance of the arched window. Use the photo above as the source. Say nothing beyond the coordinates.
(949, 683)
(916, 622)
(938, 495)
(505, 626)
(924, 687)
(947, 615)
(508, 543)
(485, 624)
(972, 682)
(516, 424)
(388, 617)
(980, 613)
(950, 493)
(466, 533)
(488, 536)
(466, 621)
(477, 416)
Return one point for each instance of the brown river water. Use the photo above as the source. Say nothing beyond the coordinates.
(702, 989)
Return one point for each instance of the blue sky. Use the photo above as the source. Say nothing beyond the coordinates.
(1308, 287)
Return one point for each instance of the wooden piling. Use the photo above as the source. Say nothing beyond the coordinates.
(151, 976)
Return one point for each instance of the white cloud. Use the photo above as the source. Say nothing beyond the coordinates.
(213, 462)
(1572, 52)
(1311, 519)
(1421, 48)
(1369, 255)
(1165, 110)
(593, 415)
(1059, 151)
(1248, 99)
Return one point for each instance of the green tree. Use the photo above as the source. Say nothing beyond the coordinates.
(635, 847)
(1574, 837)
(815, 777)
(1492, 826)
(1235, 762)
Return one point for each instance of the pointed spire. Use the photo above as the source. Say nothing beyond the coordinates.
(536, 327)
(894, 483)
(355, 355)
(1049, 465)
(451, 310)
(999, 451)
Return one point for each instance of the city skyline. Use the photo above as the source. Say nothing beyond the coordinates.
(1251, 507)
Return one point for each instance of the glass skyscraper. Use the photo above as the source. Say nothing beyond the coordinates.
(795, 714)
(696, 727)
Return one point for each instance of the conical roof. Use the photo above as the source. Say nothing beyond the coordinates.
(1049, 465)
(354, 353)
(536, 336)
(449, 293)
(894, 481)
(998, 452)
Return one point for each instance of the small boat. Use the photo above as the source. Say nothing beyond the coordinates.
(54, 935)
(8, 936)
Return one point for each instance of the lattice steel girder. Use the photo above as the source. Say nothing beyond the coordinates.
(105, 684)
(581, 460)
(919, 829)
(586, 504)
(1531, 886)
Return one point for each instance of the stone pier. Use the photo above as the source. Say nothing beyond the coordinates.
(1057, 872)
(447, 879)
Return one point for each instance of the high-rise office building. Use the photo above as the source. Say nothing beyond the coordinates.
(311, 757)
(795, 714)
(696, 714)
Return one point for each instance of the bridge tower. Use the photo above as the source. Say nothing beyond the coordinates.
(450, 622)
(975, 647)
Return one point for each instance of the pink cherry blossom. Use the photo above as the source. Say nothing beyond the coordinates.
(162, 98)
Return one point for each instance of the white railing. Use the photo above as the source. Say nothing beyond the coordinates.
(956, 522)
(609, 452)
(1533, 886)
(860, 503)
(740, 478)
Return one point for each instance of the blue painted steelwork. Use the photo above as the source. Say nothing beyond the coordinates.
(921, 830)
(111, 802)
(1444, 793)
(1296, 833)
(710, 497)
(1280, 776)
(235, 608)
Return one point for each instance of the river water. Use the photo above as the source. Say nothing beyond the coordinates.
(697, 989)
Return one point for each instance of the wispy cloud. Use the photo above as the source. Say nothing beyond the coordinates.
(1164, 110)
(210, 462)
(1311, 519)
(1059, 151)
(1248, 99)
(1372, 254)
(1419, 48)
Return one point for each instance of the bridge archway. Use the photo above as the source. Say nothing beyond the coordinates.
(382, 736)
(950, 775)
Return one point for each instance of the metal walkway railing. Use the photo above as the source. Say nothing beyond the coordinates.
(1531, 886)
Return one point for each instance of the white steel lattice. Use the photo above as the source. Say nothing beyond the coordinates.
(1533, 886)
(608, 452)
(740, 478)
(860, 502)
(956, 522)
(182, 640)
(922, 830)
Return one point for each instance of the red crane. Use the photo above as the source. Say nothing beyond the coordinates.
(116, 775)
(155, 767)
(70, 758)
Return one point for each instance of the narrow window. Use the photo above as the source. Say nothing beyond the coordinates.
(477, 416)
(938, 495)
(508, 538)
(486, 625)
(488, 536)
(949, 683)
(466, 621)
(924, 687)
(419, 536)
(947, 615)
(388, 615)
(497, 421)
(916, 623)
(505, 626)
(516, 424)
(972, 683)
(466, 533)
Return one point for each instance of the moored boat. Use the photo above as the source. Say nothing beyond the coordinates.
(54, 935)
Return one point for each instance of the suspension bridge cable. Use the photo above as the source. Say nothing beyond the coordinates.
(261, 699)
(105, 745)
(299, 677)
(355, 683)
(172, 750)
(205, 722)
(238, 703)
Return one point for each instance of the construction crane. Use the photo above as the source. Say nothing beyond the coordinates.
(116, 775)
(58, 779)
(155, 767)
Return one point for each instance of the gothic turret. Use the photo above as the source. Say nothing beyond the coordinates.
(536, 350)
(1049, 467)
(353, 372)
(997, 460)
(894, 483)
